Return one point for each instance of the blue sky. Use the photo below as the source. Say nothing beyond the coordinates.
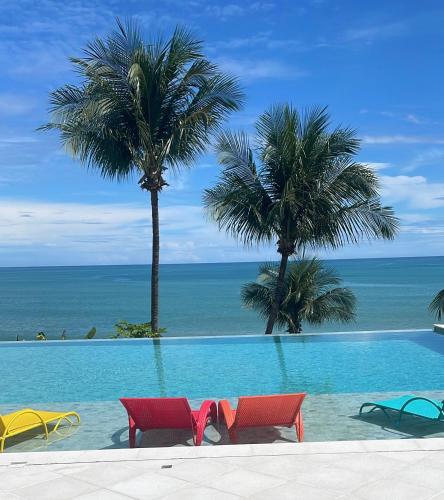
(377, 65)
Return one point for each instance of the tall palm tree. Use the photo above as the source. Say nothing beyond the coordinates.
(141, 109)
(299, 185)
(437, 305)
(310, 293)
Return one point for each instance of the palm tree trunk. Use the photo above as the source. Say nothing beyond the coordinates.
(155, 261)
(278, 293)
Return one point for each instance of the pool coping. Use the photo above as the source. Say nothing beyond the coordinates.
(17, 459)
(206, 337)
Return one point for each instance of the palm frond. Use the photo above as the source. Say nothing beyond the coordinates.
(304, 182)
(310, 293)
(142, 106)
(437, 305)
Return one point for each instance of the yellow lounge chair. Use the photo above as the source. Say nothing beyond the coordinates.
(28, 419)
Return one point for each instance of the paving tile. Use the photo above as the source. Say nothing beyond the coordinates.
(199, 471)
(148, 485)
(103, 494)
(332, 478)
(61, 488)
(296, 491)
(418, 474)
(18, 477)
(152, 465)
(438, 496)
(286, 467)
(199, 493)
(373, 464)
(405, 456)
(243, 482)
(387, 489)
(102, 474)
(433, 459)
(4, 495)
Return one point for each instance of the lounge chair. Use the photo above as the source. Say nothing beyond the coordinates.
(167, 413)
(28, 419)
(410, 405)
(263, 411)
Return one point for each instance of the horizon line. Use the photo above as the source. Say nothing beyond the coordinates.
(216, 263)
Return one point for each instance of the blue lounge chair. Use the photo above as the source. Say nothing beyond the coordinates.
(410, 405)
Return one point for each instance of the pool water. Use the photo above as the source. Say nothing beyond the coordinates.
(223, 366)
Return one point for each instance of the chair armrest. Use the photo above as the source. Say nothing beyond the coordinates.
(131, 423)
(226, 413)
(419, 398)
(207, 409)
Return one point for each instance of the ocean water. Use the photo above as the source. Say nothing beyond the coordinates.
(201, 299)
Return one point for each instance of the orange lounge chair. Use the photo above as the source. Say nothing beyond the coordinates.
(263, 411)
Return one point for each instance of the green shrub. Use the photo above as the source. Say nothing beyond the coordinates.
(91, 334)
(135, 330)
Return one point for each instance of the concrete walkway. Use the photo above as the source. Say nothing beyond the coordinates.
(390, 469)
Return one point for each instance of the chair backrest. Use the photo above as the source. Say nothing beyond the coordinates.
(278, 409)
(158, 413)
(2, 426)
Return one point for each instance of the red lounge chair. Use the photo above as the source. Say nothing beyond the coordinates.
(263, 411)
(167, 413)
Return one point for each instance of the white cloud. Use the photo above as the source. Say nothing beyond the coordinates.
(263, 39)
(416, 191)
(377, 165)
(410, 117)
(250, 69)
(434, 156)
(15, 140)
(370, 34)
(240, 9)
(14, 104)
(75, 233)
(401, 139)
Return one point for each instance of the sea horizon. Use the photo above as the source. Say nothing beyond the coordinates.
(202, 299)
(260, 261)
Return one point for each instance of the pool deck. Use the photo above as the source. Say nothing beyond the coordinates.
(374, 469)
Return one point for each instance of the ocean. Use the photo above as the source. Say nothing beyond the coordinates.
(201, 299)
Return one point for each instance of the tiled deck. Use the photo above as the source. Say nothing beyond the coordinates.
(392, 469)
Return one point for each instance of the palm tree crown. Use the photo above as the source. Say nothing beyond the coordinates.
(299, 185)
(143, 108)
(310, 293)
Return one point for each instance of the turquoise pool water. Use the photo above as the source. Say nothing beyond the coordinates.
(222, 366)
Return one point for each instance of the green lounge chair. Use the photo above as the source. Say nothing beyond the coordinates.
(410, 405)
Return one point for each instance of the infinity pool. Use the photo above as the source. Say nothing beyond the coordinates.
(220, 367)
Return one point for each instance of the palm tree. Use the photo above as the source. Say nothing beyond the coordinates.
(437, 305)
(310, 294)
(141, 109)
(299, 185)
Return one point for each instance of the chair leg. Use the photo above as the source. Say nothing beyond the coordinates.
(198, 436)
(299, 425)
(132, 437)
(233, 436)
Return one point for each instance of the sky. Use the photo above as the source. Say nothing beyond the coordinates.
(377, 65)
